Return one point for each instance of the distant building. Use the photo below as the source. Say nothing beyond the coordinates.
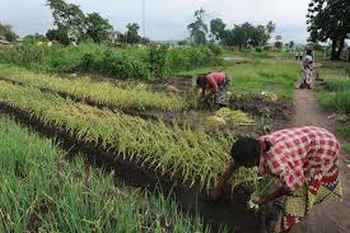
(4, 42)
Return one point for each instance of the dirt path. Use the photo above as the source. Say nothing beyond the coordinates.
(334, 217)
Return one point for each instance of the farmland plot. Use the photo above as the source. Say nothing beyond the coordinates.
(191, 157)
(42, 192)
(137, 98)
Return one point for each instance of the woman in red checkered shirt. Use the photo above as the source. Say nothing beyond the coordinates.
(302, 162)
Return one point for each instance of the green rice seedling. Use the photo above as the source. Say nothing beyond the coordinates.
(138, 97)
(75, 200)
(192, 156)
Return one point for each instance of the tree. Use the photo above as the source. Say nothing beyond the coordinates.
(278, 37)
(132, 35)
(71, 24)
(7, 32)
(217, 29)
(247, 34)
(291, 44)
(329, 20)
(278, 43)
(198, 29)
(68, 18)
(270, 28)
(59, 34)
(98, 28)
(258, 36)
(34, 38)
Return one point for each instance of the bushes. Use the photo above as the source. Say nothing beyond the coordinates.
(187, 58)
(131, 63)
(116, 65)
(157, 60)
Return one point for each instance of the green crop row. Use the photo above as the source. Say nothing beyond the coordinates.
(138, 97)
(192, 157)
(41, 192)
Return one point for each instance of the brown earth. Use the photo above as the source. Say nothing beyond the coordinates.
(333, 217)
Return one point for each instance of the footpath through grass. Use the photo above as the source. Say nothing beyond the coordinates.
(41, 192)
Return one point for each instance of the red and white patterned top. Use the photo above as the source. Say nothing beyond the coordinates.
(301, 155)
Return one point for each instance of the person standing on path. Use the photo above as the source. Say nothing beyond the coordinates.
(307, 67)
(303, 167)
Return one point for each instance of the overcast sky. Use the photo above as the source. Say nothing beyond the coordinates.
(165, 19)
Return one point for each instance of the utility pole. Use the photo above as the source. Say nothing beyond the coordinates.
(144, 17)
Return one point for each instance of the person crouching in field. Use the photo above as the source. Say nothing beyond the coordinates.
(302, 165)
(214, 83)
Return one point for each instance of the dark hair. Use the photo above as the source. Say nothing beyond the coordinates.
(309, 52)
(246, 151)
(202, 80)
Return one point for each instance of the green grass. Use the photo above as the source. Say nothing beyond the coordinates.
(335, 97)
(41, 192)
(346, 149)
(260, 75)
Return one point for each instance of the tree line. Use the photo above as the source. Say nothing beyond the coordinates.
(71, 24)
(240, 35)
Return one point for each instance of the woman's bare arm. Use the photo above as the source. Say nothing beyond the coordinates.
(277, 194)
(218, 192)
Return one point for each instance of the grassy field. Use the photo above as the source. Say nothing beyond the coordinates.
(42, 192)
(335, 95)
(256, 75)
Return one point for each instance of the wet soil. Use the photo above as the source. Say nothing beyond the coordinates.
(181, 84)
(258, 106)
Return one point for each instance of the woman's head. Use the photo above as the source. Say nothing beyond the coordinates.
(309, 52)
(246, 152)
(202, 80)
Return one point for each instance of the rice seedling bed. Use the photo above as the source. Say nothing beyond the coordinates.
(232, 211)
(192, 156)
(194, 119)
(136, 98)
(42, 192)
(148, 115)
